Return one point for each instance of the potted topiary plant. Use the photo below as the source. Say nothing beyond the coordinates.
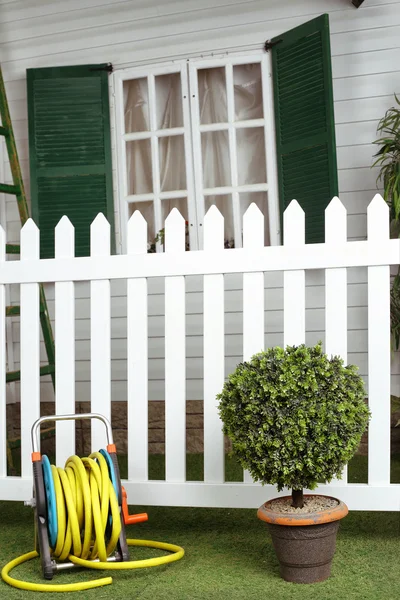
(295, 418)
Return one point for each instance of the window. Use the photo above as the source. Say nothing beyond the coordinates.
(233, 141)
(154, 147)
(198, 133)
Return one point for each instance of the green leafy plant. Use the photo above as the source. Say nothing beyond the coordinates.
(395, 310)
(160, 237)
(395, 407)
(388, 160)
(295, 417)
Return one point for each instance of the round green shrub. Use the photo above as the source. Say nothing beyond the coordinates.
(294, 416)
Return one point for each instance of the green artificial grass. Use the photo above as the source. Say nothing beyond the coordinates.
(228, 552)
(228, 556)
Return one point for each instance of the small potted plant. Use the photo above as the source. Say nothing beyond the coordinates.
(295, 418)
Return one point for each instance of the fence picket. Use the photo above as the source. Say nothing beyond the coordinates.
(336, 292)
(379, 349)
(30, 346)
(100, 333)
(294, 306)
(175, 367)
(253, 291)
(214, 351)
(137, 336)
(65, 345)
(3, 413)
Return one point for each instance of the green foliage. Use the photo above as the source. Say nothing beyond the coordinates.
(394, 404)
(395, 407)
(295, 417)
(395, 310)
(388, 160)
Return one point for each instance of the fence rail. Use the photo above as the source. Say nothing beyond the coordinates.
(335, 256)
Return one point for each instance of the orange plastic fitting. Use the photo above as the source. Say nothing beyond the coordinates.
(36, 456)
(131, 519)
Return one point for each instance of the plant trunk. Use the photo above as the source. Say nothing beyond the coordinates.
(297, 499)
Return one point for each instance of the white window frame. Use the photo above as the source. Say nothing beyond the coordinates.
(268, 122)
(157, 196)
(191, 131)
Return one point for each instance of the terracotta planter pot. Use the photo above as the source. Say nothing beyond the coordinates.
(304, 542)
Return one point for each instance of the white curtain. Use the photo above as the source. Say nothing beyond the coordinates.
(249, 141)
(171, 148)
(215, 145)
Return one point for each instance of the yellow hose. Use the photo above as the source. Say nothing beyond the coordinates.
(46, 587)
(178, 552)
(85, 497)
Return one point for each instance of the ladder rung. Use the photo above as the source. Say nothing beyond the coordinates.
(13, 249)
(13, 311)
(16, 375)
(9, 189)
(3, 131)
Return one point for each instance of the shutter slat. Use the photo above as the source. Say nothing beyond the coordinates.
(70, 151)
(311, 67)
(305, 129)
(301, 128)
(289, 111)
(304, 45)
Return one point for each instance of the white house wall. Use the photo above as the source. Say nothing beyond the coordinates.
(366, 70)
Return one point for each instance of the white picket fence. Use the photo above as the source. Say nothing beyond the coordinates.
(293, 258)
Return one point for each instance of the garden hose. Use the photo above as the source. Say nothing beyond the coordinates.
(84, 523)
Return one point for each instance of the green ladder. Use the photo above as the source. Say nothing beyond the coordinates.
(17, 189)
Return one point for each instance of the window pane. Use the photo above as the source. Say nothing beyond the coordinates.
(212, 95)
(136, 105)
(169, 101)
(224, 205)
(172, 163)
(261, 199)
(181, 204)
(248, 92)
(138, 167)
(251, 155)
(147, 210)
(168, 205)
(215, 159)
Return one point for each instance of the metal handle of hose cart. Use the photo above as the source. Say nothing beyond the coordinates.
(35, 431)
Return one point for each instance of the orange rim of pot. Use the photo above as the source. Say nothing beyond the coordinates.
(265, 513)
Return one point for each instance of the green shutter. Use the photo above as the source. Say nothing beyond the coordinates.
(304, 120)
(70, 151)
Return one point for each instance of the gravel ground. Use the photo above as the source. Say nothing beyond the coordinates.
(311, 505)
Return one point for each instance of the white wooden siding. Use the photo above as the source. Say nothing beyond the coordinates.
(366, 70)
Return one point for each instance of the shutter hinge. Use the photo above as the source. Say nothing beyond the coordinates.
(269, 45)
(109, 68)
